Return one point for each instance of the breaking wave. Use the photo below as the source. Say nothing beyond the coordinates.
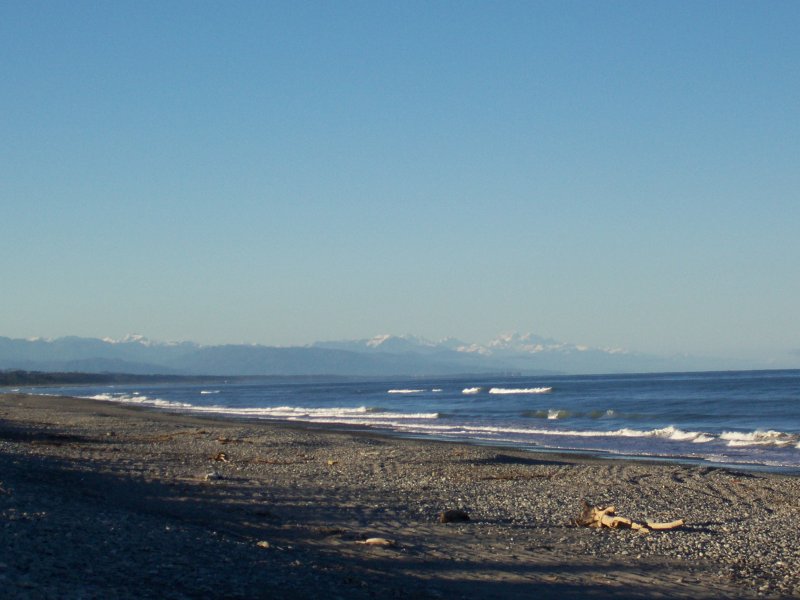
(669, 433)
(382, 417)
(591, 428)
(362, 414)
(536, 390)
(760, 438)
(552, 414)
(136, 398)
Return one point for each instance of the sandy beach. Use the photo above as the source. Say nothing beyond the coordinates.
(99, 500)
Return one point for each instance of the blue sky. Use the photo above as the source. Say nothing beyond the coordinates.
(608, 173)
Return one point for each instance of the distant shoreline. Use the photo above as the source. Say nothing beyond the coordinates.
(22, 377)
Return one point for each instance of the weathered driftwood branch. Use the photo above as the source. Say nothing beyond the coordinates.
(597, 516)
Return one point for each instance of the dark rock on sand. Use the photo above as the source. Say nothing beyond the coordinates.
(453, 516)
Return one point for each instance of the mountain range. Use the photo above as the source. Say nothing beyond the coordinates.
(384, 355)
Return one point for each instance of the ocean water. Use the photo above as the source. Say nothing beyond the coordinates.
(745, 418)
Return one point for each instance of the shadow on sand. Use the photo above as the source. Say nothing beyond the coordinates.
(80, 529)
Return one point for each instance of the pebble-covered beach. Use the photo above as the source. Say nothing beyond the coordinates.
(99, 500)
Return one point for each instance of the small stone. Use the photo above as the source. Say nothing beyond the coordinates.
(376, 541)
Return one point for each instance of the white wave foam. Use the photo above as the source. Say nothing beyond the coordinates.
(437, 390)
(369, 416)
(423, 423)
(469, 429)
(536, 390)
(138, 399)
(554, 414)
(206, 392)
(362, 414)
(471, 390)
(673, 433)
(404, 391)
(667, 433)
(758, 438)
(332, 415)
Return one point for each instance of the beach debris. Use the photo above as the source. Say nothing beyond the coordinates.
(598, 516)
(220, 457)
(376, 541)
(332, 462)
(268, 546)
(213, 476)
(453, 516)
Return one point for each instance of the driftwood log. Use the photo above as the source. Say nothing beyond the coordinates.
(597, 516)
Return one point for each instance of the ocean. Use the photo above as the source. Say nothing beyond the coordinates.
(744, 418)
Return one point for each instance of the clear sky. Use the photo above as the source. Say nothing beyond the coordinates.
(608, 173)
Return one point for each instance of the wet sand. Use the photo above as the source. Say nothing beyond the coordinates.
(100, 500)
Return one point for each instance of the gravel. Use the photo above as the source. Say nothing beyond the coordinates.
(99, 500)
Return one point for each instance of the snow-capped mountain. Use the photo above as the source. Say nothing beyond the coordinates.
(135, 338)
(382, 355)
(385, 343)
(506, 344)
(530, 343)
(516, 352)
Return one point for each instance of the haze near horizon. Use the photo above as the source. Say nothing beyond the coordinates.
(616, 175)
